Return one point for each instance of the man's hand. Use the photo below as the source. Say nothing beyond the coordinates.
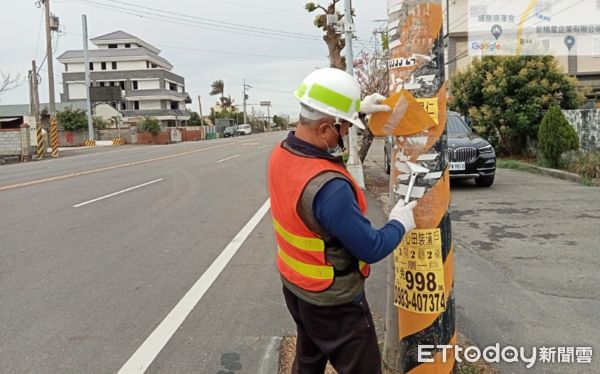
(403, 213)
(372, 104)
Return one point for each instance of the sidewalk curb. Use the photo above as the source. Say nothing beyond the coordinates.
(554, 173)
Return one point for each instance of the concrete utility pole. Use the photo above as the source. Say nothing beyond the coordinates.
(41, 147)
(31, 99)
(421, 308)
(200, 109)
(86, 57)
(244, 87)
(354, 165)
(50, 60)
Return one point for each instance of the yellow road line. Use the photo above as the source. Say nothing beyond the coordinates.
(524, 17)
(100, 170)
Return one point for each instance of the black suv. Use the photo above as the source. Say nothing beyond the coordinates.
(469, 156)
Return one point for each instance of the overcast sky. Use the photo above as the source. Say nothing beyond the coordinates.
(272, 44)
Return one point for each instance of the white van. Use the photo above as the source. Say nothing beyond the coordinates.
(244, 129)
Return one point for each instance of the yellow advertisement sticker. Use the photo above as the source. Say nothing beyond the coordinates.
(431, 107)
(420, 272)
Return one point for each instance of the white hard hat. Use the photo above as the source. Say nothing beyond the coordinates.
(332, 92)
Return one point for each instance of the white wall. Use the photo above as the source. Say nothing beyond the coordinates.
(149, 84)
(149, 104)
(76, 91)
(75, 68)
(130, 65)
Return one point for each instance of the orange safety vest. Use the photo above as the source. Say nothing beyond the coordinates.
(301, 252)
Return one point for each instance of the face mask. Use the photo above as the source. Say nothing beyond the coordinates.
(339, 147)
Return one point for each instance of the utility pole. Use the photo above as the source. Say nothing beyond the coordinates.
(50, 62)
(41, 147)
(31, 99)
(86, 57)
(354, 165)
(200, 109)
(244, 87)
(411, 322)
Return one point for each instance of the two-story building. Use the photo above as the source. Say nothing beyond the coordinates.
(149, 87)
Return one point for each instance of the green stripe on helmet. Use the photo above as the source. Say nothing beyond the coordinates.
(330, 97)
(357, 105)
(301, 90)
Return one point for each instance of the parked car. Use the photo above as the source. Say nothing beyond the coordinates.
(469, 155)
(230, 131)
(244, 129)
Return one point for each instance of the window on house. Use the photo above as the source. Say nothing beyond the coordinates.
(136, 105)
(114, 65)
(127, 45)
(172, 87)
(123, 105)
(122, 84)
(113, 46)
(147, 64)
(174, 105)
(66, 67)
(101, 84)
(91, 66)
(134, 84)
(103, 65)
(154, 66)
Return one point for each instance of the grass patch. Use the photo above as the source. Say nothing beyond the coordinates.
(516, 165)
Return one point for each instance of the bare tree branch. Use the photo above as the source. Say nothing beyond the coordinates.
(9, 82)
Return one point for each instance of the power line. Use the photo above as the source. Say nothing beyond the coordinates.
(257, 7)
(233, 53)
(206, 22)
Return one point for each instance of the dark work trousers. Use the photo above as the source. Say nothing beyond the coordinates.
(343, 334)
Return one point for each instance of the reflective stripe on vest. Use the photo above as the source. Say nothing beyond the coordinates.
(301, 252)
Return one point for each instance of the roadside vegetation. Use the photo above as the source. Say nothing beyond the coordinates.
(515, 103)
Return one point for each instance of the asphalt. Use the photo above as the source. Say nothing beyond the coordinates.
(83, 288)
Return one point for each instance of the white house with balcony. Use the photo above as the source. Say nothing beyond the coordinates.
(148, 86)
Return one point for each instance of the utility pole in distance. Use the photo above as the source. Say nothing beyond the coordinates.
(86, 63)
(51, 25)
(49, 58)
(354, 165)
(245, 86)
(200, 109)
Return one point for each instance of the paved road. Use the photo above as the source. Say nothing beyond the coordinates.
(527, 268)
(84, 286)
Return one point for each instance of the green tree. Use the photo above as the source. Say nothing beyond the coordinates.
(100, 122)
(218, 88)
(195, 120)
(281, 121)
(72, 119)
(556, 136)
(505, 97)
(149, 124)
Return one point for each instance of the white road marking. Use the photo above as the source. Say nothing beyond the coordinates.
(228, 158)
(147, 352)
(116, 193)
(269, 355)
(261, 147)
